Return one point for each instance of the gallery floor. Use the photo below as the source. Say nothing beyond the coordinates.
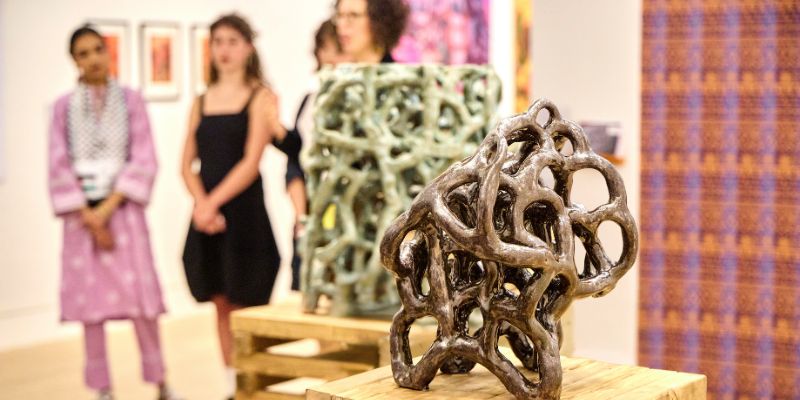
(54, 371)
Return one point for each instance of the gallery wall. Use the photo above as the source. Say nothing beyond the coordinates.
(36, 69)
(587, 59)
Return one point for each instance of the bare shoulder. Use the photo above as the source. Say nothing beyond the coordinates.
(264, 95)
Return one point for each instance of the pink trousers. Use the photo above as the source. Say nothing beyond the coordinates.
(97, 375)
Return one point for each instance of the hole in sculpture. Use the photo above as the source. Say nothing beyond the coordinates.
(421, 335)
(589, 189)
(459, 201)
(502, 210)
(555, 290)
(424, 286)
(546, 178)
(476, 272)
(541, 219)
(609, 234)
(584, 268)
(511, 289)
(329, 217)
(543, 117)
(475, 322)
(564, 145)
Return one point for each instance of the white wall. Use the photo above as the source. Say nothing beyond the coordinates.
(586, 58)
(36, 69)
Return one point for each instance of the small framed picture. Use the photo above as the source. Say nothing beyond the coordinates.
(160, 61)
(116, 35)
(201, 57)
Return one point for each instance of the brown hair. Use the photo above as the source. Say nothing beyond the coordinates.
(253, 67)
(387, 21)
(325, 32)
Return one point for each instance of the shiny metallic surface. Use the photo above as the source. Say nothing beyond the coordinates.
(488, 234)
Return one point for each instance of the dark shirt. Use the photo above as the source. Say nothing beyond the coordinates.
(293, 142)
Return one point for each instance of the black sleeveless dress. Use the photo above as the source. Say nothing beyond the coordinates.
(241, 262)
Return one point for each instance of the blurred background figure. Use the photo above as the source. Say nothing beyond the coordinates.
(368, 30)
(327, 52)
(102, 165)
(230, 256)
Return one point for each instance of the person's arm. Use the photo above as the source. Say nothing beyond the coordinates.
(190, 177)
(107, 207)
(297, 194)
(291, 144)
(213, 222)
(66, 195)
(272, 115)
(262, 125)
(296, 188)
(135, 180)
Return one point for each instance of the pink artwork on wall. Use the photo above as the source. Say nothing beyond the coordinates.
(446, 32)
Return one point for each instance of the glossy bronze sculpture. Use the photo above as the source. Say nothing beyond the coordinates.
(381, 134)
(488, 234)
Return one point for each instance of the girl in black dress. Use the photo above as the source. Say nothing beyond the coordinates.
(230, 256)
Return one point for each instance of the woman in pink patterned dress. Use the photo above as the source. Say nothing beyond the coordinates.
(101, 172)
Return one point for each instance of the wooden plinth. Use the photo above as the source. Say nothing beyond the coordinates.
(583, 379)
(345, 346)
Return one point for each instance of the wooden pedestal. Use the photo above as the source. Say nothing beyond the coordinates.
(583, 379)
(265, 337)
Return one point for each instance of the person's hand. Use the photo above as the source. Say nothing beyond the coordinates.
(103, 238)
(217, 225)
(91, 219)
(204, 214)
(106, 209)
(96, 223)
(207, 218)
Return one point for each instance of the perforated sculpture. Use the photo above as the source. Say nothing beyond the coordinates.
(488, 234)
(381, 133)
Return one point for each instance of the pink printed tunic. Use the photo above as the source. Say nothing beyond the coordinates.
(97, 285)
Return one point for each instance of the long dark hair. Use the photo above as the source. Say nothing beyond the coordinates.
(253, 67)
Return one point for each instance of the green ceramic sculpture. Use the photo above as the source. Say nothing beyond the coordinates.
(382, 132)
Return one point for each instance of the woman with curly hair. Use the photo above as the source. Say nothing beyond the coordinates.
(369, 29)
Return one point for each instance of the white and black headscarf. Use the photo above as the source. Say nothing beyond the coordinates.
(98, 144)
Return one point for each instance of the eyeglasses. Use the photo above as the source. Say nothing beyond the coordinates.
(340, 18)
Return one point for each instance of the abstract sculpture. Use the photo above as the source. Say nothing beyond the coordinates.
(488, 234)
(381, 134)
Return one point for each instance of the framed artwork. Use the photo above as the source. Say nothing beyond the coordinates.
(201, 57)
(117, 38)
(445, 32)
(160, 61)
(523, 16)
